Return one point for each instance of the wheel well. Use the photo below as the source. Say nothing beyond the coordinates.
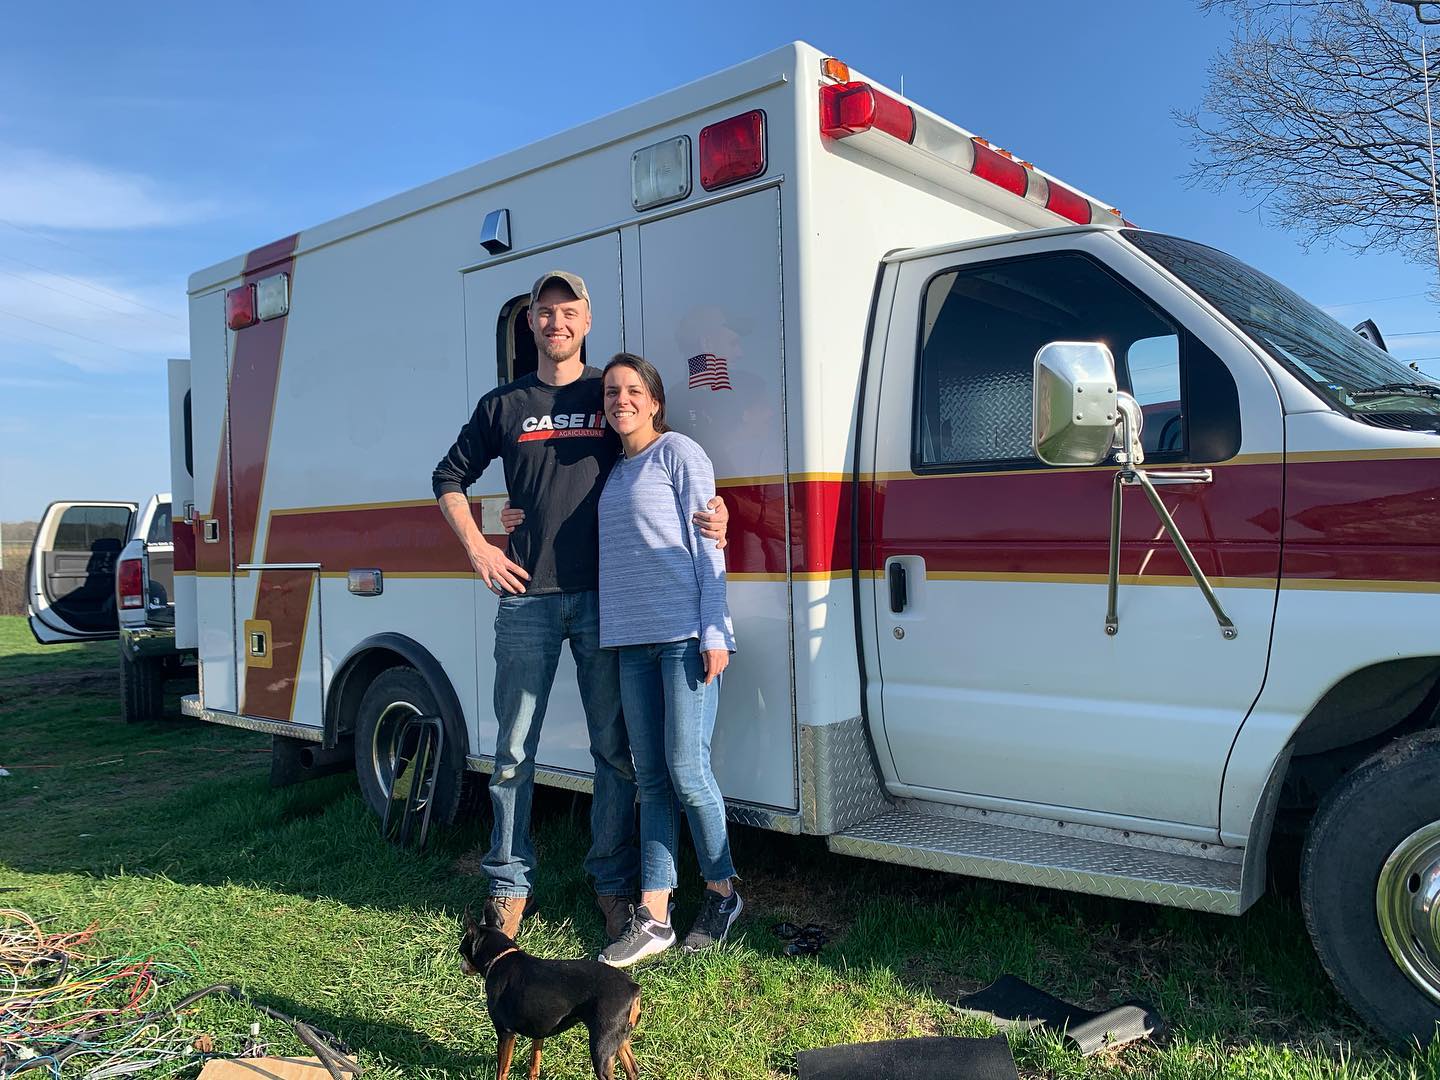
(365, 663)
(350, 684)
(1362, 712)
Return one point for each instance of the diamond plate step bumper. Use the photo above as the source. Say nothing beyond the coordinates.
(1073, 863)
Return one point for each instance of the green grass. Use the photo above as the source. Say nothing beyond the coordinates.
(168, 836)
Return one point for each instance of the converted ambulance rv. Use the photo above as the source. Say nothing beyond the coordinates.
(1062, 552)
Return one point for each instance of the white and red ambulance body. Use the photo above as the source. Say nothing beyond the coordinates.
(830, 280)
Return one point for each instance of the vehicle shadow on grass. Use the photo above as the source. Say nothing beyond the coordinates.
(217, 823)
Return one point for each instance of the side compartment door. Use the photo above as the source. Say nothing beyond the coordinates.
(70, 583)
(499, 348)
(1000, 686)
(713, 328)
(182, 503)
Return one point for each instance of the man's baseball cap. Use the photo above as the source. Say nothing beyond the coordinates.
(573, 282)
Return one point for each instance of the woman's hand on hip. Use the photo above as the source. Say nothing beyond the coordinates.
(716, 661)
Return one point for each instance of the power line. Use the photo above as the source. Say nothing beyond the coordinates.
(1375, 300)
(74, 295)
(71, 333)
(88, 285)
(60, 243)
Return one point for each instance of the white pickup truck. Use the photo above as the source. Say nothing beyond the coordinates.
(105, 570)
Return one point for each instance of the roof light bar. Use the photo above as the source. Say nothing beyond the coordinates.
(849, 108)
(852, 108)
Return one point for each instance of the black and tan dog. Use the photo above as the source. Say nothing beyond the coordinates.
(539, 998)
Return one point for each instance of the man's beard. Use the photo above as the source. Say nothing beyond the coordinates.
(554, 357)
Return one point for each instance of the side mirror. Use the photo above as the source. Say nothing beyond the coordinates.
(1076, 409)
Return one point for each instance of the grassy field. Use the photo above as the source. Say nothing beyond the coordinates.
(169, 838)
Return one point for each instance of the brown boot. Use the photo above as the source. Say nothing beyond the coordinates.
(616, 910)
(505, 912)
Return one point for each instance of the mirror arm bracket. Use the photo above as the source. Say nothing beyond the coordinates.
(1128, 473)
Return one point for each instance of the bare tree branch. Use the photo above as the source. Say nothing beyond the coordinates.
(1316, 109)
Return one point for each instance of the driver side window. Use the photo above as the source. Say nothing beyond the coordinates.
(980, 330)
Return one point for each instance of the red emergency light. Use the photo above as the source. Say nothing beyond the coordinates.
(732, 150)
(240, 307)
(849, 108)
(1000, 169)
(128, 584)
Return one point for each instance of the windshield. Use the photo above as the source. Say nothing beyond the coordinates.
(1339, 363)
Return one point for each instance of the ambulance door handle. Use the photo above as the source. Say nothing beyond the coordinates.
(1173, 477)
(899, 591)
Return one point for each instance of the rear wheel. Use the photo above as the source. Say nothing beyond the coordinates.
(397, 695)
(1370, 888)
(142, 688)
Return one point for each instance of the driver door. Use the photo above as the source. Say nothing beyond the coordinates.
(998, 685)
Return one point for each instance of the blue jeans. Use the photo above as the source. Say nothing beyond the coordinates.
(529, 632)
(670, 714)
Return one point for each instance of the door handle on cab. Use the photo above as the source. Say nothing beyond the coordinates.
(899, 592)
(1173, 477)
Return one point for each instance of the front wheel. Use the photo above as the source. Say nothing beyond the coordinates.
(395, 696)
(1370, 888)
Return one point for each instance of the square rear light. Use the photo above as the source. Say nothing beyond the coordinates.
(240, 307)
(732, 150)
(272, 296)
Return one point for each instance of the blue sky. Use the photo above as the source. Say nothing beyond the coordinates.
(139, 143)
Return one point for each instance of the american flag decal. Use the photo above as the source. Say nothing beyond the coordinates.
(709, 370)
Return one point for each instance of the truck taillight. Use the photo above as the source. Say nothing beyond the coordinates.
(849, 108)
(240, 307)
(129, 584)
(732, 150)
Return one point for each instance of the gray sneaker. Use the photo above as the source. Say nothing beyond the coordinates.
(644, 936)
(717, 914)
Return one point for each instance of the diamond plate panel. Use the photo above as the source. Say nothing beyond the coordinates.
(761, 818)
(983, 415)
(1056, 862)
(838, 782)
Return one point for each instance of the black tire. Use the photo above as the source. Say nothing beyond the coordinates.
(396, 694)
(142, 688)
(1363, 820)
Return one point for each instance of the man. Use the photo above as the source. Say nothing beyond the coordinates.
(548, 430)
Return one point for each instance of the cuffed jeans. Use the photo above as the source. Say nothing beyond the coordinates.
(529, 633)
(670, 715)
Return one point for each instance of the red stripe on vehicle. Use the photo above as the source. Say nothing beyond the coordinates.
(245, 428)
(182, 533)
(283, 598)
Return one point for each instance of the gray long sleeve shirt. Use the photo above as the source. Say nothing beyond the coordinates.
(660, 580)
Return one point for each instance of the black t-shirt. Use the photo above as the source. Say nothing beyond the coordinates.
(557, 451)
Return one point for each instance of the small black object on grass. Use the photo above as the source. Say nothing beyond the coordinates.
(801, 940)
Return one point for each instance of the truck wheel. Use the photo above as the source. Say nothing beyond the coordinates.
(1370, 888)
(142, 689)
(395, 696)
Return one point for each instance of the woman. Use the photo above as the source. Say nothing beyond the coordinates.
(662, 603)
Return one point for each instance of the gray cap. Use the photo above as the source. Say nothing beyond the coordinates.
(573, 282)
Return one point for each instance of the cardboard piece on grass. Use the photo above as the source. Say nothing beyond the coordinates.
(1011, 1002)
(934, 1057)
(266, 1068)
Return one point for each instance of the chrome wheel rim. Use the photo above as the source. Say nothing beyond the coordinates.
(384, 743)
(1407, 906)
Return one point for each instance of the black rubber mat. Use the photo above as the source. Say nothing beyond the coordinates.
(1012, 1002)
(931, 1058)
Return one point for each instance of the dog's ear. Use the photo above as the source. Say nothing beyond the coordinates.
(472, 928)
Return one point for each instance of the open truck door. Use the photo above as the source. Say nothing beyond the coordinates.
(182, 506)
(70, 583)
